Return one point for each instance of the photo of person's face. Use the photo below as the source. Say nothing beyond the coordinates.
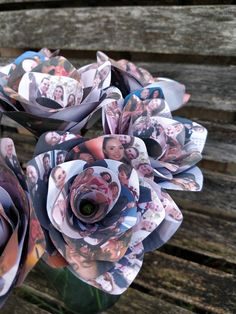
(71, 100)
(106, 176)
(175, 214)
(155, 94)
(148, 225)
(60, 177)
(125, 139)
(114, 190)
(178, 127)
(60, 158)
(44, 85)
(58, 93)
(9, 148)
(32, 174)
(144, 93)
(46, 163)
(131, 153)
(123, 177)
(52, 138)
(145, 169)
(114, 149)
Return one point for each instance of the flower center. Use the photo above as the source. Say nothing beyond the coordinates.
(87, 207)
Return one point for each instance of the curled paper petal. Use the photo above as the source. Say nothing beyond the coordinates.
(22, 241)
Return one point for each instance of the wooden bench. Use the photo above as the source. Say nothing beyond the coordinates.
(193, 42)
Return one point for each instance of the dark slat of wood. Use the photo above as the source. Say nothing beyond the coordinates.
(220, 157)
(217, 199)
(148, 29)
(134, 301)
(220, 132)
(204, 288)
(16, 305)
(207, 235)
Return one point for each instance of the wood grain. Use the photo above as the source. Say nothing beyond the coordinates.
(178, 30)
(137, 302)
(203, 287)
(17, 305)
(207, 235)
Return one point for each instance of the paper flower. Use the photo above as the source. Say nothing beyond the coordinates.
(141, 107)
(43, 91)
(21, 237)
(100, 208)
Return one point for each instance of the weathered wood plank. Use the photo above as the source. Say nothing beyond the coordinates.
(123, 2)
(207, 235)
(220, 132)
(219, 157)
(134, 301)
(218, 197)
(16, 305)
(143, 29)
(206, 289)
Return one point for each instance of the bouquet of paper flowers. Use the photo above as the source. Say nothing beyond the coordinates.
(91, 207)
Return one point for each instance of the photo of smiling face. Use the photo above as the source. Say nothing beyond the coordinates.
(44, 85)
(113, 148)
(59, 176)
(58, 93)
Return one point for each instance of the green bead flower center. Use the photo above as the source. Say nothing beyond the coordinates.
(87, 208)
